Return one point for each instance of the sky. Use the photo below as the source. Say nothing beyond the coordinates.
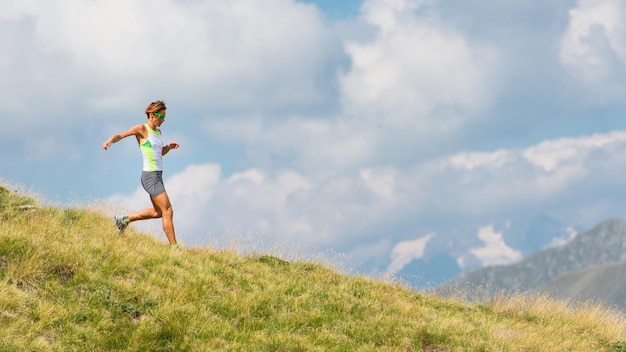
(344, 126)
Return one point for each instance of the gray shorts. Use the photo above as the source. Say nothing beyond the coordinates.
(152, 182)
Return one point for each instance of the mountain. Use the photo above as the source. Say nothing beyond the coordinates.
(450, 252)
(589, 258)
(531, 234)
(431, 272)
(603, 283)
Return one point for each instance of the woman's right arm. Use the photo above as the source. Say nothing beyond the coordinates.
(133, 131)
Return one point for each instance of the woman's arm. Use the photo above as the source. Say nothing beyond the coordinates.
(170, 146)
(133, 131)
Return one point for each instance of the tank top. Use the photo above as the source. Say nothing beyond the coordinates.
(152, 151)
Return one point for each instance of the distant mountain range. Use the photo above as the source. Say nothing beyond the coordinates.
(449, 253)
(592, 265)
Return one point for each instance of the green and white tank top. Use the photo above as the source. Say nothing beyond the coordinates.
(152, 151)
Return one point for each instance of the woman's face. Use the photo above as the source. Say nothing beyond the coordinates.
(159, 117)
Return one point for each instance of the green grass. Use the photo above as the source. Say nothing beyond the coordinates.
(69, 283)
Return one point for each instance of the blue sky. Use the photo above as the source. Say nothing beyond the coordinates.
(347, 126)
(337, 10)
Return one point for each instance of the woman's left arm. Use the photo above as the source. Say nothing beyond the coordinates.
(170, 146)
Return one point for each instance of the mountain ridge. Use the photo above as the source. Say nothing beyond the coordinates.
(604, 244)
(603, 283)
(522, 235)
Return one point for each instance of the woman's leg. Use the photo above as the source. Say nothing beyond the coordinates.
(145, 214)
(163, 207)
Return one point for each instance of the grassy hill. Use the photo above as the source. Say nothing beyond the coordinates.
(69, 283)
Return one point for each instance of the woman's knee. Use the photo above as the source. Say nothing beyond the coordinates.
(162, 205)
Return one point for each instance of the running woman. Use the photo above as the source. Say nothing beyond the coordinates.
(150, 142)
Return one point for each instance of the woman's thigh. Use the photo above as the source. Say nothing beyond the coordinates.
(161, 203)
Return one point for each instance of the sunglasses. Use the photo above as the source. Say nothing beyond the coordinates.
(160, 116)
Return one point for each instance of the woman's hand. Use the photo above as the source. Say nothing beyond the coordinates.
(106, 144)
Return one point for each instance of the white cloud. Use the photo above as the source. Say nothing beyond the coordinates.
(416, 68)
(552, 154)
(192, 189)
(593, 47)
(471, 160)
(310, 144)
(561, 241)
(412, 83)
(405, 252)
(76, 64)
(537, 172)
(239, 55)
(495, 251)
(364, 252)
(381, 182)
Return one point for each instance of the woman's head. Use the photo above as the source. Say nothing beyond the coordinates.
(156, 110)
(156, 106)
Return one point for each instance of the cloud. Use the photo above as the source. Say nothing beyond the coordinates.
(404, 252)
(68, 66)
(416, 68)
(561, 241)
(412, 83)
(310, 144)
(114, 53)
(535, 174)
(593, 48)
(495, 251)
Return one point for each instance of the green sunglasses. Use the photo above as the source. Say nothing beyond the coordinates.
(161, 116)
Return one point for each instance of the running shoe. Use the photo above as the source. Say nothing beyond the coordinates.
(122, 223)
(176, 248)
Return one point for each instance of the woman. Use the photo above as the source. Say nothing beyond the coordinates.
(148, 137)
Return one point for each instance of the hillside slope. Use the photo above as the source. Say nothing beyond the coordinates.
(602, 283)
(69, 283)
